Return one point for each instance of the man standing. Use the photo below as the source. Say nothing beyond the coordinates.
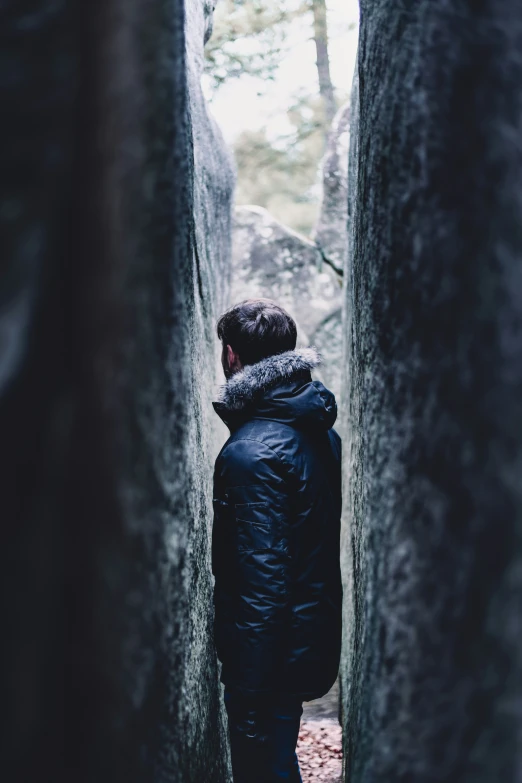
(275, 541)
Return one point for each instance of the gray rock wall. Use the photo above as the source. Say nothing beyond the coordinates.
(303, 275)
(270, 260)
(113, 181)
(330, 231)
(432, 675)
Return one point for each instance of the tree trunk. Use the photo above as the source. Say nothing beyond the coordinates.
(323, 62)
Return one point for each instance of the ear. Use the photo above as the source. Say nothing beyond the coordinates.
(230, 356)
(233, 360)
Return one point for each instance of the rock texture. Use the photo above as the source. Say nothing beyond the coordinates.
(432, 677)
(328, 339)
(114, 180)
(330, 232)
(303, 275)
(272, 261)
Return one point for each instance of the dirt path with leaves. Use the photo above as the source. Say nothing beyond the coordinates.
(319, 746)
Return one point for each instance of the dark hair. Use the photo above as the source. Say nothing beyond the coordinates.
(257, 328)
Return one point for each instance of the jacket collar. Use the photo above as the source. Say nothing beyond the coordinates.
(252, 381)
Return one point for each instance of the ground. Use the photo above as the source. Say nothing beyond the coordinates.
(319, 745)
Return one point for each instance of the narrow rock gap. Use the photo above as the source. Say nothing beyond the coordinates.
(273, 260)
(122, 246)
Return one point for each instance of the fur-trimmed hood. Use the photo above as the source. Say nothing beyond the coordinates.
(247, 384)
(279, 388)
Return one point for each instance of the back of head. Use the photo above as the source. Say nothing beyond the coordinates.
(256, 329)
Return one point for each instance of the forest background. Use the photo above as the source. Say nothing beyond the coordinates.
(273, 75)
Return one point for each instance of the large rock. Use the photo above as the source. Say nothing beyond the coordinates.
(432, 676)
(328, 339)
(330, 232)
(270, 260)
(303, 275)
(114, 181)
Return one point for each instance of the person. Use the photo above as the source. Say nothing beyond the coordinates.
(275, 539)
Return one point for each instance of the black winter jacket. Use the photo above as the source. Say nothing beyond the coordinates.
(275, 541)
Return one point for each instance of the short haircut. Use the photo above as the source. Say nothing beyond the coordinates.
(256, 329)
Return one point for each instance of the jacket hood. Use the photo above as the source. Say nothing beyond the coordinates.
(279, 388)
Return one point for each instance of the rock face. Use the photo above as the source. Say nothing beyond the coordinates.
(272, 261)
(432, 676)
(330, 232)
(303, 275)
(113, 181)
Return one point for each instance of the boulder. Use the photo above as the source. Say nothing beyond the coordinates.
(270, 260)
(432, 542)
(303, 275)
(328, 339)
(330, 233)
(113, 180)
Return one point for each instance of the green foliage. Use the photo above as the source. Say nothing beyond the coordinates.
(280, 173)
(248, 37)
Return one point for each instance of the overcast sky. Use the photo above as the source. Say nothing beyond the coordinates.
(237, 107)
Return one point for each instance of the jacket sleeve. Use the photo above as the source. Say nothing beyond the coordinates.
(257, 485)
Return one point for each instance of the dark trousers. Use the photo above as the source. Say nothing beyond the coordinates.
(272, 757)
